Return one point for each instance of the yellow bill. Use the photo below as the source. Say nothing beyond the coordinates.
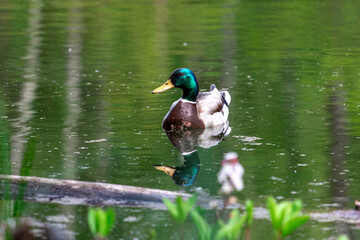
(166, 86)
(168, 170)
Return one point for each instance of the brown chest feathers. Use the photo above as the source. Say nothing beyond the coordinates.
(182, 116)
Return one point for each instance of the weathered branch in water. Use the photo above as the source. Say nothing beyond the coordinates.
(70, 192)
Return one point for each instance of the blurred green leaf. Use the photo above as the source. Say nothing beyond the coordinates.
(342, 237)
(297, 206)
(249, 206)
(191, 202)
(285, 216)
(204, 229)
(271, 205)
(293, 224)
(152, 234)
(91, 217)
(171, 208)
(232, 229)
(110, 214)
(100, 222)
(180, 210)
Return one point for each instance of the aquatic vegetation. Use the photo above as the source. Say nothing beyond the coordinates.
(285, 216)
(230, 230)
(249, 217)
(342, 237)
(100, 222)
(204, 229)
(181, 209)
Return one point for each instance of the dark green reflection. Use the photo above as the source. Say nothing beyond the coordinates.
(187, 142)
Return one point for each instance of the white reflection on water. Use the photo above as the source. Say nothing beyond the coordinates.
(73, 99)
(28, 91)
(74, 68)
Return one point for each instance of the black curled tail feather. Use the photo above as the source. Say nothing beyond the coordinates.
(224, 100)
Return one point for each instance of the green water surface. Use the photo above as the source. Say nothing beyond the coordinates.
(76, 80)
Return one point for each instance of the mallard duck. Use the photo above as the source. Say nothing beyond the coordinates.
(194, 109)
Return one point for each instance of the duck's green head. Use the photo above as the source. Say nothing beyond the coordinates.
(182, 78)
(185, 174)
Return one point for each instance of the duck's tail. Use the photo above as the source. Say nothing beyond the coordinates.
(224, 94)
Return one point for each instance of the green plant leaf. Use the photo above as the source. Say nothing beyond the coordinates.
(271, 205)
(171, 208)
(342, 237)
(285, 216)
(297, 206)
(101, 222)
(91, 217)
(249, 212)
(221, 233)
(293, 224)
(221, 222)
(232, 229)
(191, 202)
(110, 220)
(204, 229)
(152, 234)
(182, 209)
(281, 210)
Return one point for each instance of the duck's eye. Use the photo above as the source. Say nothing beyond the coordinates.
(180, 74)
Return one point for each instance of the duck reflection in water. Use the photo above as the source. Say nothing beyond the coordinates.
(187, 142)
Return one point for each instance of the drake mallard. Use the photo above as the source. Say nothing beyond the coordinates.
(194, 109)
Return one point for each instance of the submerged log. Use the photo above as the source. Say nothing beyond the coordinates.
(70, 192)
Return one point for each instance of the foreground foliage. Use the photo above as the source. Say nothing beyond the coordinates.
(100, 222)
(285, 217)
